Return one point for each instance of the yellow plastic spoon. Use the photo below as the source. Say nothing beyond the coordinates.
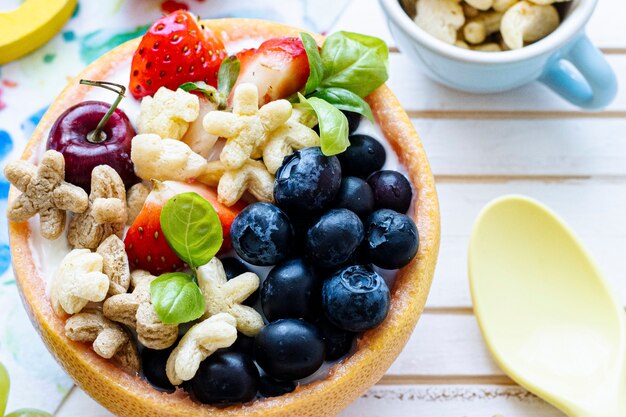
(31, 25)
(545, 311)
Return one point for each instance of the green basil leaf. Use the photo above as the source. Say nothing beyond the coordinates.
(333, 125)
(4, 388)
(227, 76)
(200, 86)
(356, 62)
(29, 412)
(192, 228)
(345, 100)
(176, 298)
(315, 63)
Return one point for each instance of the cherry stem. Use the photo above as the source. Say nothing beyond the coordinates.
(98, 135)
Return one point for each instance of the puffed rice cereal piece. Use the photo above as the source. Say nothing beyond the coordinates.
(137, 312)
(77, 281)
(168, 113)
(290, 137)
(109, 339)
(115, 264)
(107, 212)
(165, 159)
(247, 128)
(44, 192)
(201, 341)
(225, 296)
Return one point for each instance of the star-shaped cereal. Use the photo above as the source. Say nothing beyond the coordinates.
(77, 281)
(252, 177)
(168, 113)
(137, 312)
(247, 128)
(225, 296)
(290, 137)
(200, 342)
(107, 211)
(44, 191)
(109, 340)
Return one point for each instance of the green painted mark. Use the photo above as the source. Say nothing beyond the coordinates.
(76, 10)
(118, 6)
(95, 44)
(48, 58)
(69, 36)
(9, 282)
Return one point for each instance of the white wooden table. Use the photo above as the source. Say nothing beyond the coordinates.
(480, 147)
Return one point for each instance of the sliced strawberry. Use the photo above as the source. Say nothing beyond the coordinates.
(279, 67)
(146, 246)
(175, 50)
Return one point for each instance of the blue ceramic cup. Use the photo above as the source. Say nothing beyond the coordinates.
(566, 61)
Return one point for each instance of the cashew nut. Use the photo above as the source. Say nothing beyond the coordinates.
(503, 5)
(546, 2)
(469, 11)
(527, 22)
(480, 4)
(200, 341)
(478, 28)
(77, 281)
(487, 47)
(440, 18)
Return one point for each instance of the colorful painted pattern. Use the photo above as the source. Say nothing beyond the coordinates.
(27, 87)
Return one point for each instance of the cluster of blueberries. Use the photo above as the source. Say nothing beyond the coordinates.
(335, 218)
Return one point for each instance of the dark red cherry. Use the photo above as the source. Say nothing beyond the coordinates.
(94, 133)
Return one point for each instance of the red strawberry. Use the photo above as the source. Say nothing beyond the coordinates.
(145, 244)
(279, 67)
(175, 50)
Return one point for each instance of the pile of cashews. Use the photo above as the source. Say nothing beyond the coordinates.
(486, 25)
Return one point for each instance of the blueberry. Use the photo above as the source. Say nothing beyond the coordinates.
(269, 387)
(355, 195)
(334, 238)
(291, 290)
(391, 239)
(364, 156)
(233, 268)
(244, 344)
(338, 342)
(391, 190)
(262, 234)
(354, 119)
(355, 299)
(307, 181)
(289, 349)
(153, 367)
(226, 378)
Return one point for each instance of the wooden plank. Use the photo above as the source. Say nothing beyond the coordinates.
(417, 92)
(449, 401)
(605, 27)
(535, 147)
(594, 209)
(400, 401)
(446, 346)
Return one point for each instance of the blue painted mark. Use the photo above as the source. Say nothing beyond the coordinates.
(6, 145)
(29, 125)
(69, 36)
(5, 257)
